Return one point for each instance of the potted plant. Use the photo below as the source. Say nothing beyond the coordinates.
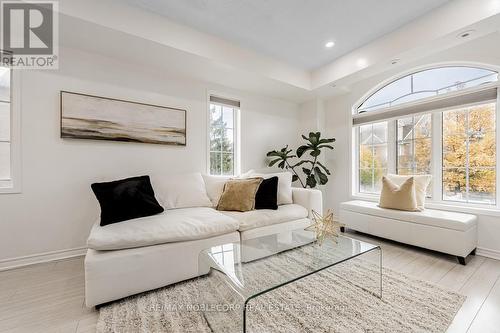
(314, 171)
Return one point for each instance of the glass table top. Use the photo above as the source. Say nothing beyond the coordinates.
(257, 265)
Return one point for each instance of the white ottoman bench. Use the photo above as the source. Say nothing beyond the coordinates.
(448, 232)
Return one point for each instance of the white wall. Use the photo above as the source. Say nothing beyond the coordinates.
(485, 50)
(56, 208)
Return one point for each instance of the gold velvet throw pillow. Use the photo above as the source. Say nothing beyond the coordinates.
(398, 197)
(239, 194)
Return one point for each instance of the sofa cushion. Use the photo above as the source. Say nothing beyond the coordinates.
(263, 217)
(239, 195)
(430, 217)
(170, 226)
(126, 199)
(182, 191)
(215, 186)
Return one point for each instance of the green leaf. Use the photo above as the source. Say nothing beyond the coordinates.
(325, 146)
(326, 140)
(323, 167)
(315, 153)
(311, 181)
(273, 162)
(273, 153)
(295, 178)
(314, 137)
(281, 165)
(301, 150)
(320, 176)
(306, 171)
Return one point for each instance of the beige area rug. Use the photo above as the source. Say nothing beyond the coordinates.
(329, 301)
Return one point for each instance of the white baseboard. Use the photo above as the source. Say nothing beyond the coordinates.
(11, 263)
(493, 254)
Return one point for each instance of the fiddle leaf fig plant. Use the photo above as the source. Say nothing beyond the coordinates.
(315, 173)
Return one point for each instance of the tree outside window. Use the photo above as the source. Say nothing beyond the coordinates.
(222, 139)
(469, 154)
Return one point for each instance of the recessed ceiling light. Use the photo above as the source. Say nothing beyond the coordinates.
(330, 44)
(465, 34)
(361, 62)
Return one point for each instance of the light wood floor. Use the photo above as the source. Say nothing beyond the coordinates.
(50, 297)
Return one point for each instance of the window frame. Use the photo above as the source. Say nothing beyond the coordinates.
(236, 132)
(436, 201)
(14, 185)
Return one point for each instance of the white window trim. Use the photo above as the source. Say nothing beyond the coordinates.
(236, 132)
(437, 201)
(15, 184)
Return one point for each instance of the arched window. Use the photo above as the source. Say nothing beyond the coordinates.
(427, 83)
(440, 122)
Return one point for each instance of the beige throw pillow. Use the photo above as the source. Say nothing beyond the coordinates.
(421, 183)
(398, 197)
(239, 194)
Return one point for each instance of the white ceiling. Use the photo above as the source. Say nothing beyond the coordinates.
(294, 31)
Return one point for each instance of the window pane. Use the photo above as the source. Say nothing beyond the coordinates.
(380, 156)
(215, 114)
(469, 146)
(379, 133)
(423, 126)
(427, 83)
(227, 116)
(377, 177)
(215, 139)
(215, 163)
(414, 145)
(454, 184)
(365, 157)
(227, 164)
(372, 156)
(482, 119)
(4, 161)
(365, 180)
(405, 129)
(482, 150)
(454, 150)
(4, 121)
(455, 122)
(482, 186)
(4, 84)
(423, 154)
(365, 134)
(227, 142)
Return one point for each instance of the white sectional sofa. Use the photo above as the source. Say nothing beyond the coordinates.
(147, 253)
(448, 232)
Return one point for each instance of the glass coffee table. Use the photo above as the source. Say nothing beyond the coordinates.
(241, 272)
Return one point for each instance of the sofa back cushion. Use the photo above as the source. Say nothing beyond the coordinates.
(215, 186)
(284, 184)
(182, 191)
(126, 199)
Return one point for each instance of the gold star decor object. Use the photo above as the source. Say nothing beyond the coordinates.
(325, 226)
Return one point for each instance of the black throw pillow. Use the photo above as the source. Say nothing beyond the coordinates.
(267, 194)
(126, 199)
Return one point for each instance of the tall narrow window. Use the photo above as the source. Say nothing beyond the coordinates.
(223, 129)
(372, 156)
(469, 154)
(5, 128)
(414, 146)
